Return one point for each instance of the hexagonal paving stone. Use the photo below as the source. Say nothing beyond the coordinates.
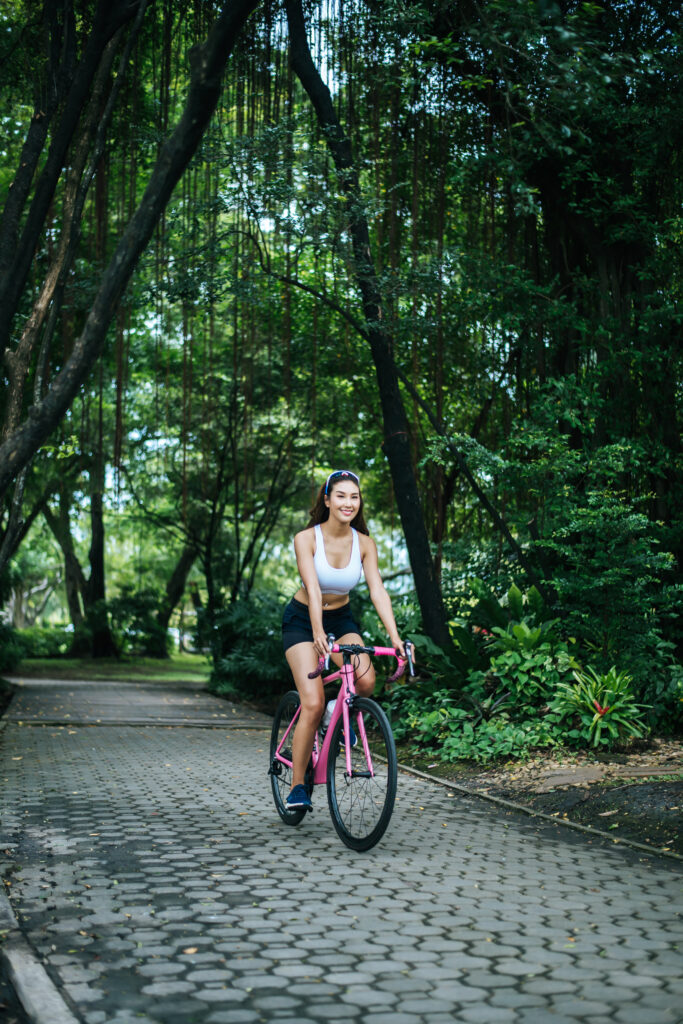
(156, 893)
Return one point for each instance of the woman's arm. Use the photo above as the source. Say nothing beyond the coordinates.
(378, 593)
(304, 549)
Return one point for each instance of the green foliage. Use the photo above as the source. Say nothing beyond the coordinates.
(490, 612)
(44, 641)
(608, 579)
(531, 691)
(605, 706)
(440, 669)
(435, 724)
(515, 661)
(501, 737)
(134, 619)
(529, 677)
(662, 691)
(248, 660)
(10, 648)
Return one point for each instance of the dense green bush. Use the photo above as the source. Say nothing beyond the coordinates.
(437, 724)
(135, 623)
(10, 648)
(526, 686)
(247, 644)
(44, 641)
(662, 694)
(609, 586)
(526, 665)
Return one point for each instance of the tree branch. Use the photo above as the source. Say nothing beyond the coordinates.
(266, 267)
(208, 64)
(461, 462)
(396, 444)
(18, 257)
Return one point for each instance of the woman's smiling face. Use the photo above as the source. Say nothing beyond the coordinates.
(343, 501)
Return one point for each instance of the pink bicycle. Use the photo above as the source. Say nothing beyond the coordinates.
(361, 775)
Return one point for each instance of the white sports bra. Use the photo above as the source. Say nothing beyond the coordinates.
(337, 581)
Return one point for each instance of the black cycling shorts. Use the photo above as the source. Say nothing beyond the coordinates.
(297, 629)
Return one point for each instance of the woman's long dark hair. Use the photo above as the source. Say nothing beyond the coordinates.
(320, 513)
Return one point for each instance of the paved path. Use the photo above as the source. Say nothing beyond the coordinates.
(153, 879)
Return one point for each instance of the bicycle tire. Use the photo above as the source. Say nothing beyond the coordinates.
(281, 774)
(361, 806)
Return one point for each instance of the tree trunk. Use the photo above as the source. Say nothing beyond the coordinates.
(18, 360)
(103, 644)
(18, 525)
(207, 66)
(75, 582)
(175, 588)
(16, 258)
(47, 96)
(396, 441)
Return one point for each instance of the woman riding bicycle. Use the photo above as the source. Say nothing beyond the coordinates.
(331, 554)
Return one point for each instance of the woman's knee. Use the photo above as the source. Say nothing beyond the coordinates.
(312, 705)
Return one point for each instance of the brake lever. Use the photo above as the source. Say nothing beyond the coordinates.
(330, 641)
(409, 655)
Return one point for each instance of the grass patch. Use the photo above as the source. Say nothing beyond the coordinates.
(635, 780)
(178, 668)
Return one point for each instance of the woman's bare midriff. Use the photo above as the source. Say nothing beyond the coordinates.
(330, 601)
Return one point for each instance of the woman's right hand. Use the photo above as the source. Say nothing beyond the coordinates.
(320, 644)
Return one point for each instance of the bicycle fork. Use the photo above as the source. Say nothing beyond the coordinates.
(347, 708)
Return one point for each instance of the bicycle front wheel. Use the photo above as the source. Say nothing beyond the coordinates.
(281, 773)
(361, 803)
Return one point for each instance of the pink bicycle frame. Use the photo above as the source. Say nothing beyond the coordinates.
(347, 691)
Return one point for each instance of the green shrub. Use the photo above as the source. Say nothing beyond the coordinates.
(434, 724)
(527, 665)
(489, 611)
(486, 623)
(490, 697)
(247, 644)
(603, 704)
(663, 695)
(44, 641)
(499, 737)
(611, 575)
(10, 648)
(134, 620)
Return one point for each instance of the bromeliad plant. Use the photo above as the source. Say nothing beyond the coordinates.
(605, 706)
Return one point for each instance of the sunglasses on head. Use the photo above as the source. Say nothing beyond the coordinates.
(339, 474)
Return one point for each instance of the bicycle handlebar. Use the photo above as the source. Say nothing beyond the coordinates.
(335, 648)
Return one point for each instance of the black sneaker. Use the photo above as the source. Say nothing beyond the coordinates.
(299, 798)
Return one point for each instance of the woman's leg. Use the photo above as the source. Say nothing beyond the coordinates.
(302, 659)
(365, 672)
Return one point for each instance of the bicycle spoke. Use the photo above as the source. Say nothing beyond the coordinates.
(361, 804)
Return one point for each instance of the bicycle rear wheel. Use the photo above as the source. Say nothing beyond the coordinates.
(281, 774)
(361, 805)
